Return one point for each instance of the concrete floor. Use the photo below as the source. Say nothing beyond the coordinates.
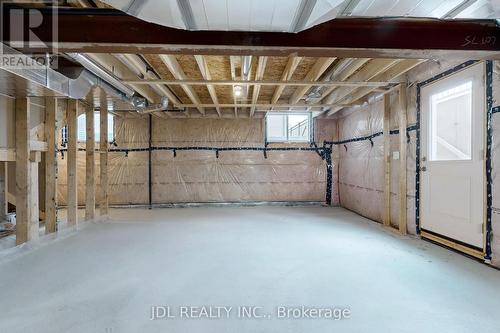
(106, 277)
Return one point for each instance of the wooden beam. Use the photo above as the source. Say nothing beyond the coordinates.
(89, 164)
(402, 159)
(393, 72)
(259, 74)
(261, 82)
(175, 68)
(205, 73)
(71, 163)
(36, 145)
(290, 67)
(50, 165)
(136, 62)
(264, 105)
(103, 163)
(25, 230)
(4, 189)
(232, 63)
(352, 66)
(314, 74)
(7, 155)
(387, 161)
(113, 31)
(374, 67)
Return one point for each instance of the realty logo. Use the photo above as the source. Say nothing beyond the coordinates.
(20, 45)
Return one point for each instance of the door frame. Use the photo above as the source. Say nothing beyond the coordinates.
(487, 233)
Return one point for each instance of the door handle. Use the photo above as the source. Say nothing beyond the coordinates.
(423, 169)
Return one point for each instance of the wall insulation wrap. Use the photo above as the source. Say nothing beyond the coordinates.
(361, 164)
(190, 175)
(361, 167)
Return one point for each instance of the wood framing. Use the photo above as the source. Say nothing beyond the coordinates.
(103, 156)
(314, 74)
(261, 67)
(290, 68)
(387, 161)
(113, 31)
(25, 231)
(175, 68)
(402, 158)
(72, 193)
(205, 72)
(7, 155)
(232, 64)
(89, 164)
(50, 165)
(4, 189)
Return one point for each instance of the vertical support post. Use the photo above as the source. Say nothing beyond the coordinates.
(72, 197)
(3, 190)
(90, 164)
(35, 159)
(103, 163)
(387, 160)
(50, 165)
(25, 231)
(150, 176)
(402, 158)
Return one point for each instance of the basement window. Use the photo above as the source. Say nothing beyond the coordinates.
(82, 133)
(288, 127)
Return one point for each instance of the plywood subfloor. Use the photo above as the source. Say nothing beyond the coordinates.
(106, 277)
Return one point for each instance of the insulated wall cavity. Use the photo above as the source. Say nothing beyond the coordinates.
(194, 174)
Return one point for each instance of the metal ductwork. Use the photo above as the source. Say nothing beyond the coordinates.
(246, 67)
(71, 80)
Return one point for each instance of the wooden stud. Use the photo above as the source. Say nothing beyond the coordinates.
(50, 165)
(25, 231)
(387, 161)
(4, 189)
(35, 159)
(103, 164)
(203, 66)
(7, 155)
(402, 159)
(89, 164)
(72, 185)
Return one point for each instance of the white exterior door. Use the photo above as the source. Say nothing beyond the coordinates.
(452, 158)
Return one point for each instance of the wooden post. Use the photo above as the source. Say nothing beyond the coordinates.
(90, 165)
(103, 111)
(3, 190)
(35, 159)
(387, 160)
(72, 197)
(402, 158)
(50, 165)
(25, 230)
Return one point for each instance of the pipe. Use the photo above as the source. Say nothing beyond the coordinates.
(246, 66)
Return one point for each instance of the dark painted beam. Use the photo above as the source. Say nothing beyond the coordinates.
(112, 31)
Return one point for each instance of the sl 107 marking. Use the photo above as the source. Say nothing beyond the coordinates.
(479, 40)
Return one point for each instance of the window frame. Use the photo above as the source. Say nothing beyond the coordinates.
(97, 139)
(288, 140)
